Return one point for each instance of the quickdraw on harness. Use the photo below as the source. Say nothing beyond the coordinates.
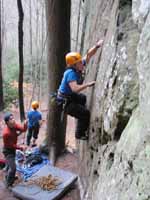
(61, 100)
(53, 97)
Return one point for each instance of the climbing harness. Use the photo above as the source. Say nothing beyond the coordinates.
(61, 100)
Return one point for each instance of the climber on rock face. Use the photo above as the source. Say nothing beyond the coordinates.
(70, 88)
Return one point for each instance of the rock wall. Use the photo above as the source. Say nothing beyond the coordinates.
(114, 163)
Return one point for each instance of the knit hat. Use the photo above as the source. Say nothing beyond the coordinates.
(7, 116)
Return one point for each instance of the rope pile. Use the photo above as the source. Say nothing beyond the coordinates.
(46, 182)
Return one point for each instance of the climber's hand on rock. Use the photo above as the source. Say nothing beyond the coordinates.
(92, 83)
(99, 43)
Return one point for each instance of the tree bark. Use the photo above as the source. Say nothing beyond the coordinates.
(1, 74)
(42, 51)
(31, 50)
(58, 26)
(21, 62)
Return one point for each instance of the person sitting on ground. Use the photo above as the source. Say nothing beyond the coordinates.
(70, 88)
(34, 123)
(10, 135)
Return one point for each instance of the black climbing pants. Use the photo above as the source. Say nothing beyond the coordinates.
(76, 107)
(32, 132)
(10, 166)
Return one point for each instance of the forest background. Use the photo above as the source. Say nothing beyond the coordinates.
(29, 69)
(34, 49)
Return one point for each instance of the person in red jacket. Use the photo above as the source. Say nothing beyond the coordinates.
(10, 135)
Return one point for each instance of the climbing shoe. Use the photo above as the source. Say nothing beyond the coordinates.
(16, 178)
(7, 184)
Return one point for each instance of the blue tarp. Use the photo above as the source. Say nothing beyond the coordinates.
(27, 171)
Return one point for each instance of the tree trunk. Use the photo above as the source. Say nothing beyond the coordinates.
(42, 52)
(58, 26)
(21, 63)
(31, 50)
(36, 72)
(1, 74)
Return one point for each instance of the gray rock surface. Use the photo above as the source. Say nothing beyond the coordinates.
(115, 161)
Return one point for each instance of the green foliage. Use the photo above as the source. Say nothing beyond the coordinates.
(10, 93)
(11, 68)
(11, 73)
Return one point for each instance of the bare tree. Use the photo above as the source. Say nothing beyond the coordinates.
(37, 68)
(21, 63)
(1, 74)
(31, 47)
(42, 45)
(58, 26)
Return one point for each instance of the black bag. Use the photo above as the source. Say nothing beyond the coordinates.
(33, 159)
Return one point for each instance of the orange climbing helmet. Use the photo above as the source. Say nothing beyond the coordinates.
(35, 104)
(72, 58)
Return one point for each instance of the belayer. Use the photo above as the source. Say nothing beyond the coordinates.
(10, 134)
(74, 103)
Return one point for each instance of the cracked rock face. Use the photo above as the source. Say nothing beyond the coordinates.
(115, 160)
